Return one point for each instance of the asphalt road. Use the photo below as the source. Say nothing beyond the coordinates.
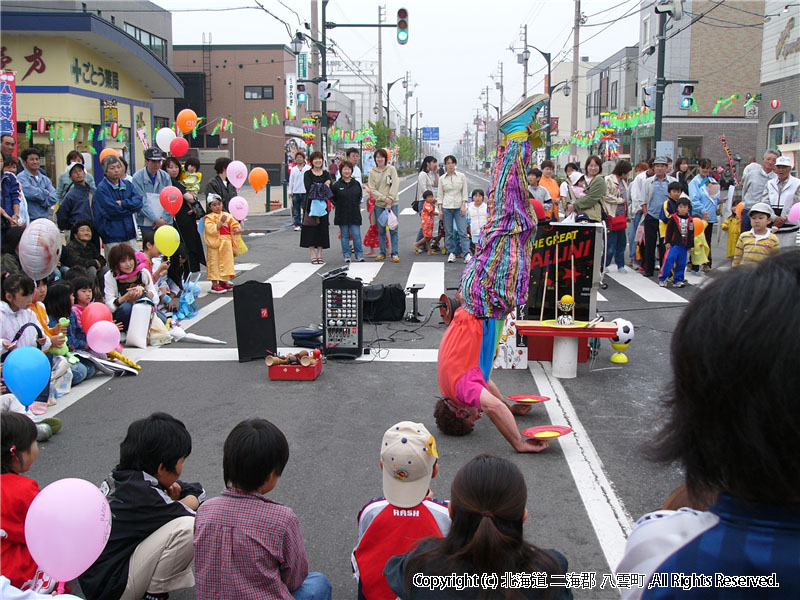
(582, 492)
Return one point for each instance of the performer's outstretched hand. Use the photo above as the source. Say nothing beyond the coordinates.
(520, 409)
(529, 445)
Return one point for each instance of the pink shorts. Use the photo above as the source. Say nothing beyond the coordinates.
(468, 388)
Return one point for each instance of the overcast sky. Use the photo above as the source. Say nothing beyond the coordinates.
(453, 47)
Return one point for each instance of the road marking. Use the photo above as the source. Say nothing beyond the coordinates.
(601, 298)
(645, 288)
(75, 394)
(366, 271)
(611, 521)
(405, 189)
(429, 273)
(246, 266)
(176, 354)
(407, 212)
(205, 311)
(479, 176)
(289, 277)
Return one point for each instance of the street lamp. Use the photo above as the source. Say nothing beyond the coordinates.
(297, 42)
(388, 91)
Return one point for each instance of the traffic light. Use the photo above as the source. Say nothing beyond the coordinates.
(402, 26)
(649, 96)
(324, 90)
(687, 100)
(302, 96)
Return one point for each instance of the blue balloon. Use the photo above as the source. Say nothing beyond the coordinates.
(26, 372)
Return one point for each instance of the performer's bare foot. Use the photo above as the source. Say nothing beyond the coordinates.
(529, 445)
(520, 409)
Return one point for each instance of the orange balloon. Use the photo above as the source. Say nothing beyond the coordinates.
(259, 178)
(699, 226)
(186, 120)
(738, 210)
(108, 152)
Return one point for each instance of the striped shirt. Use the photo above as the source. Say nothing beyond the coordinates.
(247, 546)
(752, 249)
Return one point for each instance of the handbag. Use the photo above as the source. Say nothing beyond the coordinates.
(391, 220)
(139, 324)
(309, 221)
(239, 248)
(199, 213)
(618, 223)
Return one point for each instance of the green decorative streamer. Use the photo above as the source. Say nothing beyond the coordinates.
(102, 135)
(60, 134)
(255, 121)
(74, 133)
(216, 129)
(275, 118)
(264, 120)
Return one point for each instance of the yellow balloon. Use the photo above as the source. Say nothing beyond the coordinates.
(167, 240)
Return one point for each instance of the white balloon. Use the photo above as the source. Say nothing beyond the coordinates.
(39, 248)
(164, 136)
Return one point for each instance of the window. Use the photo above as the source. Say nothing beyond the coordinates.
(645, 32)
(613, 94)
(157, 45)
(782, 130)
(596, 103)
(258, 92)
(589, 104)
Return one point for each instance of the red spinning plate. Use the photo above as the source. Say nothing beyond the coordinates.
(546, 432)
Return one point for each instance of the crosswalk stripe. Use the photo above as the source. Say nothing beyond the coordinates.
(645, 288)
(407, 212)
(246, 266)
(289, 277)
(177, 354)
(429, 273)
(601, 298)
(366, 271)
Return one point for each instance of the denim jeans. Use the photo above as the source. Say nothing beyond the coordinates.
(355, 231)
(393, 236)
(298, 201)
(123, 315)
(315, 587)
(616, 248)
(637, 218)
(451, 214)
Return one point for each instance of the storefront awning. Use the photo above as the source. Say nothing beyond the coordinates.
(107, 39)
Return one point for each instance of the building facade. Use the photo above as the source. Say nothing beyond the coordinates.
(779, 108)
(722, 51)
(89, 82)
(561, 106)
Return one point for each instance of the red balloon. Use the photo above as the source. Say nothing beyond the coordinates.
(96, 311)
(171, 199)
(538, 208)
(178, 146)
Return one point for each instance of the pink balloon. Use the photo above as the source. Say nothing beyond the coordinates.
(67, 527)
(103, 337)
(239, 208)
(39, 248)
(237, 173)
(794, 213)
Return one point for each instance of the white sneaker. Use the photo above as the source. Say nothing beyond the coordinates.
(297, 227)
(451, 258)
(467, 257)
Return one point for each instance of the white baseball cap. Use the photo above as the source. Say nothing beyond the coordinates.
(408, 453)
(783, 161)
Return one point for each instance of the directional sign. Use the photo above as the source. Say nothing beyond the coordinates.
(302, 65)
(430, 134)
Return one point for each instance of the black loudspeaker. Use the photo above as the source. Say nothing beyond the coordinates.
(255, 320)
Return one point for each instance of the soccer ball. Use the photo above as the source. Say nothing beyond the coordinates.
(624, 332)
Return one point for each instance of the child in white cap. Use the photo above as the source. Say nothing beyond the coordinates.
(391, 524)
(760, 242)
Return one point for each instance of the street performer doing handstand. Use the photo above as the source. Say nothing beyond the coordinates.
(493, 283)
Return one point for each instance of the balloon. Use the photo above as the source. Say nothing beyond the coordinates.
(39, 248)
(259, 178)
(389, 156)
(236, 173)
(238, 207)
(26, 372)
(164, 137)
(171, 199)
(167, 239)
(108, 152)
(699, 226)
(179, 146)
(186, 120)
(794, 213)
(538, 208)
(96, 311)
(67, 527)
(103, 337)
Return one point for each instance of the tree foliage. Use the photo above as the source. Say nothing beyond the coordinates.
(382, 134)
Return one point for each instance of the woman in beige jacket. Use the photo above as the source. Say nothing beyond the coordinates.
(616, 205)
(383, 184)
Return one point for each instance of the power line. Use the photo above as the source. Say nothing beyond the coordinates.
(734, 24)
(695, 20)
(600, 12)
(130, 10)
(285, 24)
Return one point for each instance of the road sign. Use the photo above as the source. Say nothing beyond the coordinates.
(430, 134)
(302, 65)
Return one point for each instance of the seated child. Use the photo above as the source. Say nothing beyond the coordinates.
(427, 216)
(151, 256)
(246, 545)
(18, 451)
(80, 251)
(83, 296)
(759, 243)
(476, 216)
(191, 175)
(407, 513)
(149, 552)
(679, 240)
(59, 302)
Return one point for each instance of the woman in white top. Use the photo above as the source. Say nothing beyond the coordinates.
(427, 179)
(452, 202)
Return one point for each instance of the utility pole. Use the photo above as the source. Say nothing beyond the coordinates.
(477, 133)
(486, 128)
(405, 121)
(576, 29)
(380, 66)
(525, 61)
(323, 130)
(660, 83)
(315, 58)
(501, 89)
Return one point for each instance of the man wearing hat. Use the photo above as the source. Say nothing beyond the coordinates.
(781, 194)
(391, 525)
(149, 181)
(755, 182)
(76, 205)
(655, 194)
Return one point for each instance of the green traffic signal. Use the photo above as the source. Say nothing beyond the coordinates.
(402, 26)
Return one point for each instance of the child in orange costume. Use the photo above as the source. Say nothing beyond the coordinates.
(220, 231)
